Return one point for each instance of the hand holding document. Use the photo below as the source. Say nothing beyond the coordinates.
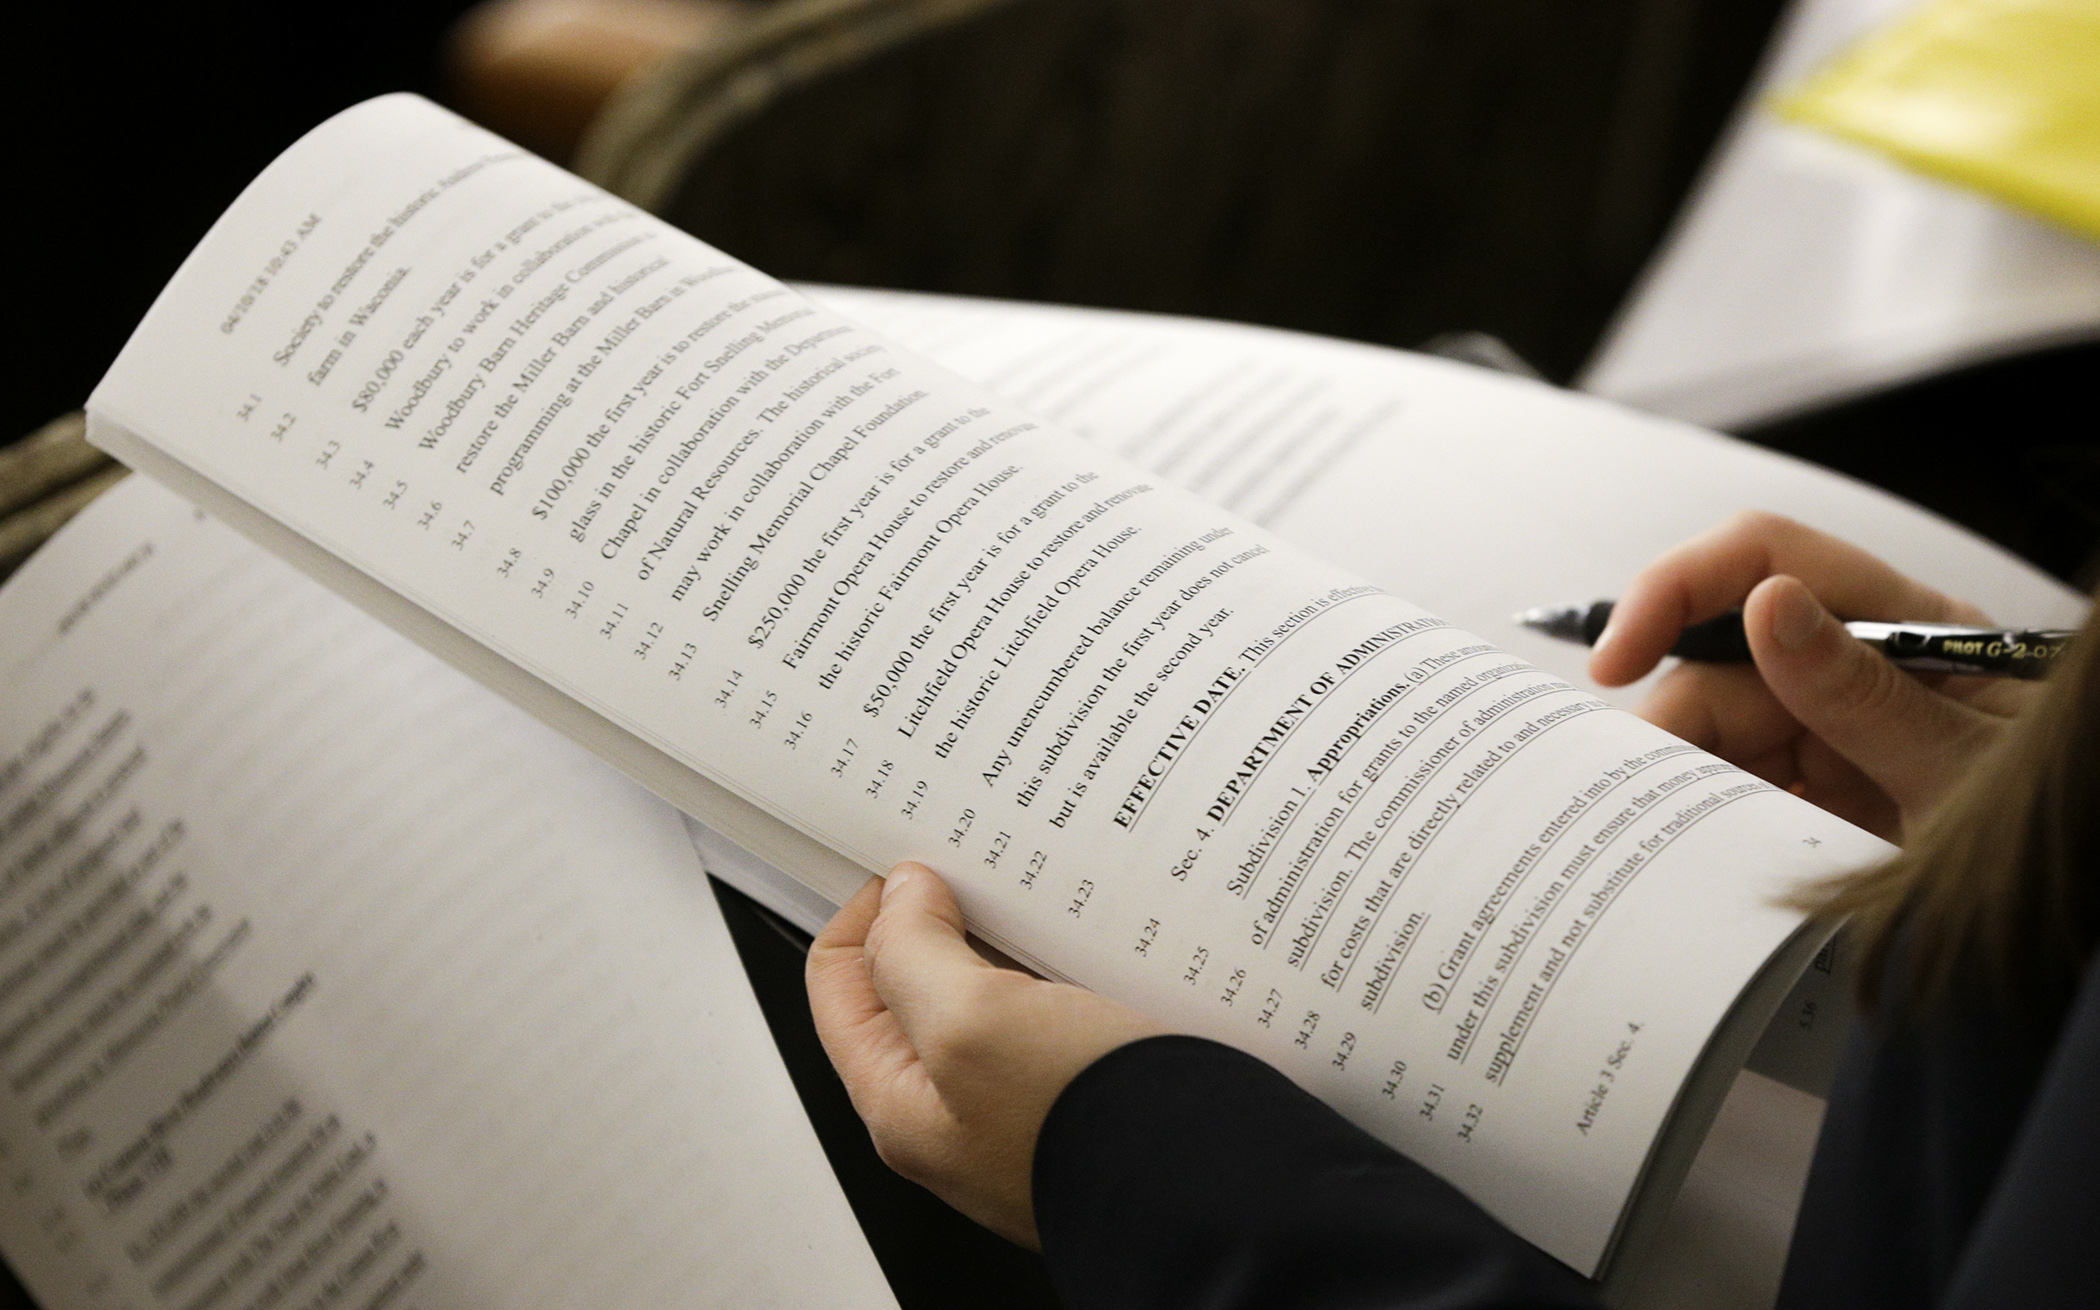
(849, 608)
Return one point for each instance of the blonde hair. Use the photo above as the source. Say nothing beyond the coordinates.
(2000, 887)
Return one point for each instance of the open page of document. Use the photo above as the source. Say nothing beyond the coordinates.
(814, 589)
(327, 978)
(1474, 494)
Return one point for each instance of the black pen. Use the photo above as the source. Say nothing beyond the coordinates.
(1921, 647)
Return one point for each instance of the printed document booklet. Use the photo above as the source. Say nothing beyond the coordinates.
(1130, 691)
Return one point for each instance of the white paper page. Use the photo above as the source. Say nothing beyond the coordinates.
(1477, 494)
(1158, 750)
(328, 978)
(1473, 494)
(766, 883)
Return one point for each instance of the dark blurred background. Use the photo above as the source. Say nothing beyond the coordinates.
(1388, 170)
(140, 123)
(1544, 146)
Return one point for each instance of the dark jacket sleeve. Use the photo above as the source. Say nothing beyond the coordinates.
(1176, 1172)
(2038, 1243)
(1957, 1166)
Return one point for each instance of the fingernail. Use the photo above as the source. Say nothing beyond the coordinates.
(1606, 637)
(1796, 617)
(896, 880)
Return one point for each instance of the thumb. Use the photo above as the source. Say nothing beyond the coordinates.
(918, 957)
(1903, 735)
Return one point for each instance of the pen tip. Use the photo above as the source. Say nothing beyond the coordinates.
(1562, 621)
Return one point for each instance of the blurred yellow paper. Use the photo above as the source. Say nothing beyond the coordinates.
(1999, 95)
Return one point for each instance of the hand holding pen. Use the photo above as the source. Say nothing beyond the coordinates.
(1818, 711)
(1916, 647)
